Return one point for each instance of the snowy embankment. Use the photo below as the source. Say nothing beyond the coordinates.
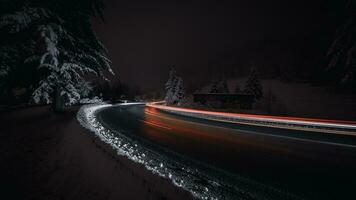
(317, 125)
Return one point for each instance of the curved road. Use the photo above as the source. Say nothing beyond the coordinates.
(310, 165)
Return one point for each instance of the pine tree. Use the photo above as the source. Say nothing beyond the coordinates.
(4, 62)
(170, 87)
(66, 50)
(85, 88)
(342, 52)
(179, 95)
(64, 79)
(214, 86)
(253, 85)
(17, 27)
(174, 89)
(237, 88)
(223, 87)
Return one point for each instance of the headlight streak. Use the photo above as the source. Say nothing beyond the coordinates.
(156, 125)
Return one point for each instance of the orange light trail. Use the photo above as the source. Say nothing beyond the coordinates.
(194, 130)
(156, 125)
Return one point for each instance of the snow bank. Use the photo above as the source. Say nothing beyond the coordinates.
(137, 153)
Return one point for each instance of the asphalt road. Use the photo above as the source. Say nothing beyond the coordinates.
(310, 165)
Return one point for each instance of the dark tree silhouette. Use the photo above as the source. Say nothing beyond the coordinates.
(342, 52)
(253, 85)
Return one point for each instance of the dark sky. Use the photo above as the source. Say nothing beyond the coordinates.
(208, 38)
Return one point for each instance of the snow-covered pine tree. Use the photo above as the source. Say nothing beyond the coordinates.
(79, 50)
(85, 88)
(253, 85)
(342, 52)
(64, 79)
(49, 60)
(174, 89)
(179, 91)
(170, 87)
(24, 18)
(17, 27)
(4, 63)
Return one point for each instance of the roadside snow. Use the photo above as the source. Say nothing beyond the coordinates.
(92, 100)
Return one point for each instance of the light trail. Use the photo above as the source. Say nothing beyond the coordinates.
(342, 127)
(284, 155)
(156, 125)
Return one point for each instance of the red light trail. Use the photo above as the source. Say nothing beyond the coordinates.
(295, 121)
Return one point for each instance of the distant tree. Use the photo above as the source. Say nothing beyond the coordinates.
(179, 96)
(214, 86)
(157, 95)
(270, 100)
(253, 85)
(223, 87)
(174, 88)
(102, 89)
(342, 52)
(134, 92)
(170, 87)
(237, 88)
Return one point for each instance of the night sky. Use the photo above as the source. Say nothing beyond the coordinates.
(206, 39)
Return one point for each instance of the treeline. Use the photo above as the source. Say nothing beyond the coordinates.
(117, 91)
